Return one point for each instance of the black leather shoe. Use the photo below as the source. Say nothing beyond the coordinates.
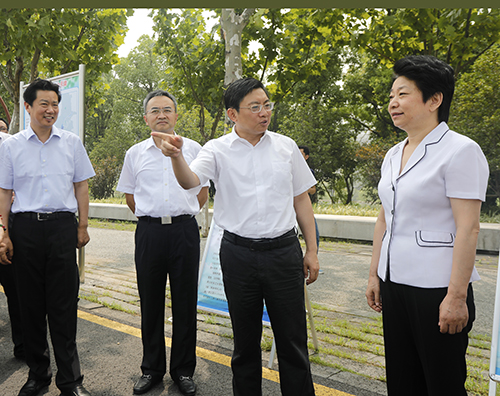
(145, 383)
(186, 385)
(33, 387)
(78, 390)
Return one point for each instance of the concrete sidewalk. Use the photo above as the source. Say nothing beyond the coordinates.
(349, 362)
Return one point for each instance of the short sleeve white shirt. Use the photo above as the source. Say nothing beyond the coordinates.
(42, 174)
(255, 185)
(420, 234)
(148, 175)
(4, 136)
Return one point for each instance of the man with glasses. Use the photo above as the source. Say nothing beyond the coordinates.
(261, 181)
(167, 242)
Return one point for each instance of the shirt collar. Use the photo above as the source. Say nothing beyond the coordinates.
(233, 137)
(29, 133)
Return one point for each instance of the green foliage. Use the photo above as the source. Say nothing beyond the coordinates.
(189, 121)
(295, 44)
(457, 36)
(117, 120)
(475, 112)
(195, 63)
(47, 42)
(102, 185)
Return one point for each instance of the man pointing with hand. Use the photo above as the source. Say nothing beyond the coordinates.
(261, 182)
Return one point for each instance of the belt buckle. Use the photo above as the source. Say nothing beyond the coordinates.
(166, 220)
(256, 243)
(43, 216)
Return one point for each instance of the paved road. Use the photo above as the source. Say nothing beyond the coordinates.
(110, 347)
(342, 285)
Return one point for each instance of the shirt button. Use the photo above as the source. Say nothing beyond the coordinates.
(392, 211)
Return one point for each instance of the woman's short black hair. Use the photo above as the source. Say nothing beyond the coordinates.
(431, 76)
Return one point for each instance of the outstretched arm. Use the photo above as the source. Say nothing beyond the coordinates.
(171, 146)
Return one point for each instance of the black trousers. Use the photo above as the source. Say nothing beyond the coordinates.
(275, 276)
(172, 249)
(8, 281)
(48, 281)
(420, 360)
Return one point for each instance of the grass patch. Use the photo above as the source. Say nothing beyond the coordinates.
(347, 210)
(118, 225)
(115, 306)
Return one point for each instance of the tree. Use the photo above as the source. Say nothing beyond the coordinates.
(117, 122)
(121, 105)
(195, 63)
(457, 36)
(475, 112)
(314, 115)
(379, 38)
(232, 25)
(47, 42)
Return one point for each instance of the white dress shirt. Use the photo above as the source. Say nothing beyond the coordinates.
(148, 175)
(4, 136)
(42, 174)
(255, 185)
(420, 234)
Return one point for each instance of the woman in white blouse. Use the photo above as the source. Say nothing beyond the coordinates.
(424, 245)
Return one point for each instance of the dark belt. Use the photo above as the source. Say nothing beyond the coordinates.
(45, 216)
(166, 219)
(263, 243)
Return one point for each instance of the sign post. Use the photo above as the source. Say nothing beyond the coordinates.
(71, 118)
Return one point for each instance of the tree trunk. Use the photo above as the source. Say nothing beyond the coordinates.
(232, 25)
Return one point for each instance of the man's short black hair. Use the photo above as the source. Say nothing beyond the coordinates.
(305, 149)
(238, 89)
(431, 76)
(30, 93)
(159, 92)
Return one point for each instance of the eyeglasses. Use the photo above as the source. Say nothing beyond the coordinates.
(155, 111)
(258, 107)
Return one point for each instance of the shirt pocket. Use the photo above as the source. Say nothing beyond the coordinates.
(282, 178)
(434, 238)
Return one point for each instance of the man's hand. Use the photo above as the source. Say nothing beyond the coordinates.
(83, 236)
(6, 251)
(373, 293)
(311, 267)
(171, 145)
(453, 315)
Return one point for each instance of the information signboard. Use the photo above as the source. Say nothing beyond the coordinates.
(211, 295)
(71, 106)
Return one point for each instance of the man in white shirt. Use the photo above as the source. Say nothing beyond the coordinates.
(261, 182)
(47, 168)
(167, 243)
